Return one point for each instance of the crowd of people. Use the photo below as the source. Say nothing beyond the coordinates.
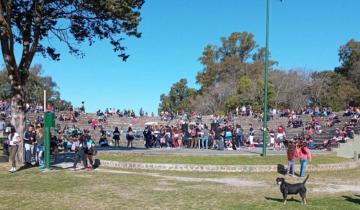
(186, 130)
(71, 140)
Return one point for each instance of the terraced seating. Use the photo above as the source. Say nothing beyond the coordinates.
(138, 124)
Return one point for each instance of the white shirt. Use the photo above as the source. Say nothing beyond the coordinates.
(14, 140)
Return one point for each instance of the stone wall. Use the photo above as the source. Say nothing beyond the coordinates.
(225, 168)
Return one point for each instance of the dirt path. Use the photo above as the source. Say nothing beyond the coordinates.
(236, 182)
(227, 181)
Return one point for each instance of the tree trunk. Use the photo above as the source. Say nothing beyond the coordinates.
(18, 118)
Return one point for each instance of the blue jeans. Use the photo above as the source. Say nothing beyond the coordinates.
(40, 150)
(205, 141)
(291, 167)
(239, 140)
(303, 164)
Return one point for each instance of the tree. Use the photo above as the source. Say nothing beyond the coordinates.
(289, 88)
(33, 90)
(239, 44)
(335, 90)
(224, 66)
(33, 24)
(178, 99)
(349, 55)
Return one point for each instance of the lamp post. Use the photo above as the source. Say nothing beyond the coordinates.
(266, 77)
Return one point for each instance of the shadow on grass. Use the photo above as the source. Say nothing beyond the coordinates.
(282, 200)
(352, 200)
(26, 167)
(282, 170)
(112, 148)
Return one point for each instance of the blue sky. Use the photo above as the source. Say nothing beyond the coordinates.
(304, 34)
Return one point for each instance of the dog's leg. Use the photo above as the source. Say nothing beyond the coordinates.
(303, 198)
(285, 198)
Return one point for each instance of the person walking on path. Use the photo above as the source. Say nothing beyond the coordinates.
(14, 141)
(292, 154)
(305, 158)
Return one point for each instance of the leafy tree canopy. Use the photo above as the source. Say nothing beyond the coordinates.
(34, 88)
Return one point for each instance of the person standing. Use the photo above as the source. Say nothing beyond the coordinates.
(219, 140)
(79, 147)
(194, 139)
(239, 136)
(130, 137)
(205, 138)
(116, 137)
(292, 154)
(89, 151)
(305, 157)
(29, 141)
(251, 137)
(148, 136)
(40, 147)
(14, 141)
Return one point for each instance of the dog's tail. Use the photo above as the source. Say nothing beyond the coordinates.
(307, 177)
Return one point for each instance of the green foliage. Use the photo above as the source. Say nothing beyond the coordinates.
(232, 102)
(178, 99)
(349, 55)
(337, 91)
(4, 86)
(65, 20)
(33, 90)
(232, 76)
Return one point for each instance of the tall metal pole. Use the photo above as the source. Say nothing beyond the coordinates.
(266, 75)
(44, 108)
(46, 138)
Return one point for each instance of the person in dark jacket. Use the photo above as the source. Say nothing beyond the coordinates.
(148, 137)
(130, 137)
(29, 141)
(80, 147)
(116, 137)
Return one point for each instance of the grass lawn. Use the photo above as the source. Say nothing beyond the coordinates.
(60, 189)
(214, 160)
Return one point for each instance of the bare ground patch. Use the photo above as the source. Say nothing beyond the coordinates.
(226, 181)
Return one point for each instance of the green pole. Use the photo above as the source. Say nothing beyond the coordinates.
(266, 75)
(47, 147)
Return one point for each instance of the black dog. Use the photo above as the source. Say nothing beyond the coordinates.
(291, 189)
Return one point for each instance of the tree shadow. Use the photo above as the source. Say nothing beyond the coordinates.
(352, 200)
(282, 200)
